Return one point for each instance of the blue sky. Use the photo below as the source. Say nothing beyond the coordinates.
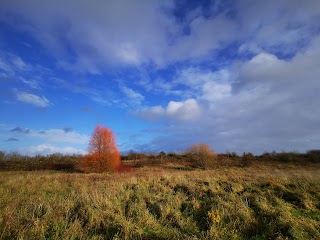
(163, 75)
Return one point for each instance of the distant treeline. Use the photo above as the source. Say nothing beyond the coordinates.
(72, 163)
(232, 158)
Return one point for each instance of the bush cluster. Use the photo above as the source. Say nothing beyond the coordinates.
(202, 156)
(292, 157)
(17, 162)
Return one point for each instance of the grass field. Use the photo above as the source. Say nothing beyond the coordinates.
(266, 201)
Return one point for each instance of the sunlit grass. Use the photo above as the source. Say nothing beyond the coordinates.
(258, 202)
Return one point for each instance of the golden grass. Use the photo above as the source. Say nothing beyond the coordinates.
(259, 202)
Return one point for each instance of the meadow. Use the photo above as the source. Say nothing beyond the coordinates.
(168, 200)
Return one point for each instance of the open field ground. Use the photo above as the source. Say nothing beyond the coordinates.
(266, 201)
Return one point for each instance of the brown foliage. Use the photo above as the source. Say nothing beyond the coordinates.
(202, 155)
(103, 154)
(247, 159)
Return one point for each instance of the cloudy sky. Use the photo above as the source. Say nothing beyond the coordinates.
(238, 75)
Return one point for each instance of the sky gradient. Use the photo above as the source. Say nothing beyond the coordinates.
(163, 75)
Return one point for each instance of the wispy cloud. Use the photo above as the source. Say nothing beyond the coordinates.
(5, 66)
(18, 63)
(29, 98)
(31, 83)
(132, 96)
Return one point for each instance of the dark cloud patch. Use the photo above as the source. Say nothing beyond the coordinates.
(17, 129)
(42, 132)
(67, 129)
(20, 130)
(12, 140)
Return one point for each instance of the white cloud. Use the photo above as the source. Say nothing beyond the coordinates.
(44, 149)
(13, 64)
(31, 83)
(206, 35)
(213, 91)
(5, 66)
(193, 77)
(204, 84)
(277, 26)
(262, 66)
(187, 110)
(32, 99)
(129, 54)
(19, 63)
(132, 96)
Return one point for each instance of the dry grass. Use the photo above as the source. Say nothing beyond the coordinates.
(165, 202)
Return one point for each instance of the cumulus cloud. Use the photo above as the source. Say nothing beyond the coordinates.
(185, 111)
(32, 99)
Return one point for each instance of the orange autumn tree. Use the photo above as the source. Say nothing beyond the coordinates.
(103, 154)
